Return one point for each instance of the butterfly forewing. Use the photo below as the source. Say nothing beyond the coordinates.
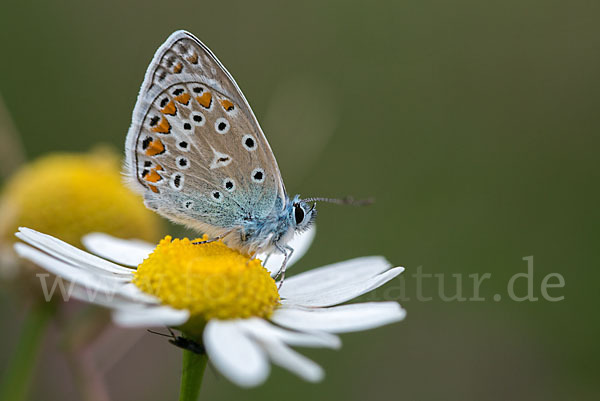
(195, 148)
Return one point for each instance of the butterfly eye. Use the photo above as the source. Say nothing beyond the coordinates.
(258, 175)
(249, 142)
(222, 125)
(298, 214)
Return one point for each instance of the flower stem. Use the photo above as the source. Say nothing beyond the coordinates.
(192, 374)
(17, 376)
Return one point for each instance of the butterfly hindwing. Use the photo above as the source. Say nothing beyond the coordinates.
(195, 149)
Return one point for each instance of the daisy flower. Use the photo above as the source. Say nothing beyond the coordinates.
(224, 301)
(67, 195)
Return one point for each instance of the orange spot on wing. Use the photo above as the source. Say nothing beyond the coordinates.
(193, 58)
(155, 147)
(164, 127)
(178, 67)
(153, 189)
(153, 176)
(227, 105)
(205, 100)
(169, 109)
(184, 98)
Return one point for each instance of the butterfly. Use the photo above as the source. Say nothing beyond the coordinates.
(197, 154)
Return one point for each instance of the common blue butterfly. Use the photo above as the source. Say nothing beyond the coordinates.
(199, 157)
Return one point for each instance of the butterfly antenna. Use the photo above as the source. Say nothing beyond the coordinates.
(348, 200)
(162, 334)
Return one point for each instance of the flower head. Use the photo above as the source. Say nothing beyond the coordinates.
(211, 281)
(242, 332)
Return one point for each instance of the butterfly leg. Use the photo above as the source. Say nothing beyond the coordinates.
(208, 241)
(217, 238)
(266, 259)
(287, 251)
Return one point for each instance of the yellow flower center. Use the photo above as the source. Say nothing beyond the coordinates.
(210, 280)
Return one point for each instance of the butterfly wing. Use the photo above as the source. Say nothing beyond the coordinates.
(195, 149)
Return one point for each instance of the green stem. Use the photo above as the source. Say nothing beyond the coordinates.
(191, 376)
(17, 376)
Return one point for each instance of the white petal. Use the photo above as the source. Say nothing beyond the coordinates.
(99, 289)
(132, 291)
(128, 295)
(153, 316)
(340, 319)
(68, 253)
(264, 331)
(293, 361)
(234, 354)
(337, 294)
(111, 301)
(339, 274)
(128, 252)
(301, 242)
(96, 282)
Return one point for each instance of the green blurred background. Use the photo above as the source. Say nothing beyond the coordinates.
(474, 124)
